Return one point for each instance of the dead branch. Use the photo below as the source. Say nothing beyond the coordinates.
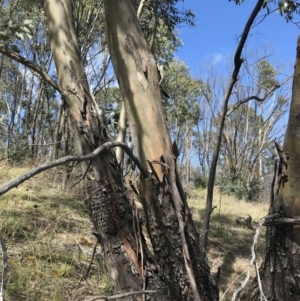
(33, 66)
(140, 8)
(123, 295)
(262, 295)
(87, 272)
(253, 258)
(228, 288)
(212, 209)
(238, 61)
(19, 180)
(275, 219)
(4, 268)
(255, 97)
(155, 9)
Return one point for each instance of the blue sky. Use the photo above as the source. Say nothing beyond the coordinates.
(218, 25)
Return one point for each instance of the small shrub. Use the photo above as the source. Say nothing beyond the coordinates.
(236, 185)
(200, 181)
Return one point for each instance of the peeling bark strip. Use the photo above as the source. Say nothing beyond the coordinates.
(283, 165)
(181, 260)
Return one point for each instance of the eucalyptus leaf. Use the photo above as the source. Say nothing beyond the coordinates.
(20, 36)
(3, 35)
(27, 30)
(29, 35)
(14, 48)
(29, 23)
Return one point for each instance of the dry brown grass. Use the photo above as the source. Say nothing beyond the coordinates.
(49, 241)
(229, 245)
(42, 226)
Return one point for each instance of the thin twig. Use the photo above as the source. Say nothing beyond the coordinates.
(83, 176)
(262, 295)
(4, 268)
(30, 64)
(123, 295)
(232, 284)
(19, 180)
(86, 274)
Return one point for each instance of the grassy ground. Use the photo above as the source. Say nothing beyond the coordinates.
(229, 245)
(49, 241)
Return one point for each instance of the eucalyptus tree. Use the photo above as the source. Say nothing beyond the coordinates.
(168, 219)
(185, 273)
(182, 111)
(251, 125)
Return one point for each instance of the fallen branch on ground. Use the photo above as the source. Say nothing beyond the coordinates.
(114, 297)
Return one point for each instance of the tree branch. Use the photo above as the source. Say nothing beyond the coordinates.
(253, 258)
(152, 39)
(259, 99)
(140, 9)
(238, 61)
(15, 182)
(237, 57)
(123, 295)
(272, 219)
(30, 64)
(254, 97)
(277, 220)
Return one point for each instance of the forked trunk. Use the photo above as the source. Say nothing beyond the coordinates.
(181, 259)
(106, 197)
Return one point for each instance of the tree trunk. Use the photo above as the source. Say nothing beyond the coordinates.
(106, 197)
(38, 104)
(28, 106)
(280, 271)
(182, 261)
(238, 61)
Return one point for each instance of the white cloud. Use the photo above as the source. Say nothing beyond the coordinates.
(216, 58)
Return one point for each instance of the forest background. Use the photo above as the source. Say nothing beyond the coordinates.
(37, 125)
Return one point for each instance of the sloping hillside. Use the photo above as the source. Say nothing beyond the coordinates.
(50, 242)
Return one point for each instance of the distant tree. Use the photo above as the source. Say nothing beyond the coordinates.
(250, 127)
(238, 62)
